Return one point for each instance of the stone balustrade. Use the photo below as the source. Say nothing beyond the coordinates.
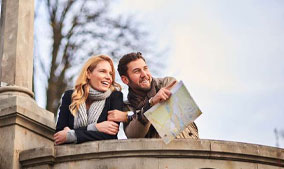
(153, 153)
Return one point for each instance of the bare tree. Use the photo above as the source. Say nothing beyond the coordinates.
(79, 29)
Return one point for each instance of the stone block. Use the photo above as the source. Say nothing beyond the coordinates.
(131, 144)
(24, 111)
(186, 163)
(26, 106)
(270, 152)
(188, 144)
(43, 156)
(234, 147)
(23, 125)
(111, 163)
(6, 146)
(45, 166)
(263, 166)
(74, 150)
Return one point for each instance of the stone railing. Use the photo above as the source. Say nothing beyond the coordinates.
(153, 153)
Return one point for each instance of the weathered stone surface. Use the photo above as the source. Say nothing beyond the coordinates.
(188, 144)
(16, 49)
(46, 166)
(6, 146)
(263, 166)
(131, 144)
(43, 156)
(114, 163)
(35, 153)
(153, 153)
(23, 125)
(271, 152)
(76, 149)
(25, 107)
(179, 163)
(14, 139)
(234, 147)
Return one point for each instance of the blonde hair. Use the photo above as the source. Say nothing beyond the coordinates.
(81, 90)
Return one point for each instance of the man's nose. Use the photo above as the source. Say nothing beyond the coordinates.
(143, 73)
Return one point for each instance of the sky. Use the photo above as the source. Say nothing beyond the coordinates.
(230, 56)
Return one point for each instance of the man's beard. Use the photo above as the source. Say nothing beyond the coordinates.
(138, 88)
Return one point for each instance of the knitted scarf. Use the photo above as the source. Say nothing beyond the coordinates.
(138, 101)
(84, 117)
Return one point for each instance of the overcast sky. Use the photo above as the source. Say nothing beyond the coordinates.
(230, 55)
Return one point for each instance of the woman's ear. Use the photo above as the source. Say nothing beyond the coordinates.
(88, 73)
(125, 79)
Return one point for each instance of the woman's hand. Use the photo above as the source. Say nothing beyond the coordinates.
(61, 136)
(116, 115)
(108, 127)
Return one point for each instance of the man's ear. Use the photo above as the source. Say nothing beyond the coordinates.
(125, 79)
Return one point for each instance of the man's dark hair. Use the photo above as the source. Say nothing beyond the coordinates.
(122, 65)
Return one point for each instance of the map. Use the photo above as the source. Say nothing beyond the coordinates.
(171, 117)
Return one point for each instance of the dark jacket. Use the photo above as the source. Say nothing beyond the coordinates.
(66, 119)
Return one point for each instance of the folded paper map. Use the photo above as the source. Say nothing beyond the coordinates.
(171, 117)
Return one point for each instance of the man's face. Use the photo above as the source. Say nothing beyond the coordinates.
(139, 77)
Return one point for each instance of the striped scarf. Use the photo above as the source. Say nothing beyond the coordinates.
(84, 117)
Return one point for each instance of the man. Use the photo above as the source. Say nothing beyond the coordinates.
(144, 92)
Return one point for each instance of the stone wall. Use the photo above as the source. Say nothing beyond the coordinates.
(153, 153)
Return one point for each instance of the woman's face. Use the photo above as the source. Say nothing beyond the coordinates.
(101, 77)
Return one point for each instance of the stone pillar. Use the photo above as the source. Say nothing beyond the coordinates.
(16, 49)
(23, 125)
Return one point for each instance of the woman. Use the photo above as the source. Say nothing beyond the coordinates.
(83, 111)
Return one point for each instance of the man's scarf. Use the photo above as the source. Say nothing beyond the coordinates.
(138, 101)
(84, 117)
